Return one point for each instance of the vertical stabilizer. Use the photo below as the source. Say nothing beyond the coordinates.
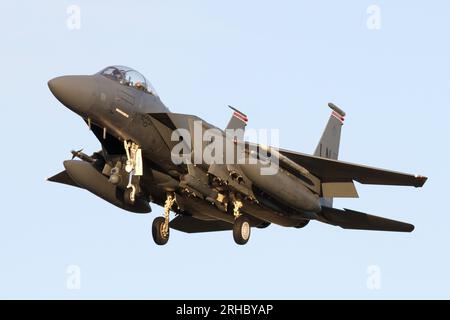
(328, 146)
(238, 120)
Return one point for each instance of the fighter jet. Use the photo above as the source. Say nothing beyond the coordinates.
(152, 155)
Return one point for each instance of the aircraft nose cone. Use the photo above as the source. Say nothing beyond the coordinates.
(75, 92)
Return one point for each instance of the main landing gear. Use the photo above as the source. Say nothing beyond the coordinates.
(161, 230)
(160, 227)
(241, 227)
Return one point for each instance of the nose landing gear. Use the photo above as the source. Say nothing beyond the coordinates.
(134, 168)
(160, 227)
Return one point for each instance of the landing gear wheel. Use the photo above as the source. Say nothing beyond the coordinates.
(241, 230)
(160, 236)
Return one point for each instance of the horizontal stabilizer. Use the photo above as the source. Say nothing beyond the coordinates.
(349, 219)
(192, 225)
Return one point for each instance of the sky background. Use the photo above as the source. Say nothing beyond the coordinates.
(279, 62)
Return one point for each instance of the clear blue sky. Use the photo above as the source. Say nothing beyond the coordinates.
(280, 62)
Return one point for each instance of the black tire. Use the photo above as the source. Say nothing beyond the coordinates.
(241, 230)
(157, 231)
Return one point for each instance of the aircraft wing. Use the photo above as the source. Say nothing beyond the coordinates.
(192, 225)
(329, 170)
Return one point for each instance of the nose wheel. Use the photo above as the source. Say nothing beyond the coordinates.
(160, 227)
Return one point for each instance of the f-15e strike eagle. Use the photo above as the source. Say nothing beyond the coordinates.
(146, 157)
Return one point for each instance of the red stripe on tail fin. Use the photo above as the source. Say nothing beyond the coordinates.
(240, 116)
(338, 116)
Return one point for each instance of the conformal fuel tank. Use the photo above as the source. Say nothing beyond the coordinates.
(283, 186)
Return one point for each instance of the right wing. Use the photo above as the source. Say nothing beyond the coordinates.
(328, 170)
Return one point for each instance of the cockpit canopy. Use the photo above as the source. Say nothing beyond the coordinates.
(128, 77)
